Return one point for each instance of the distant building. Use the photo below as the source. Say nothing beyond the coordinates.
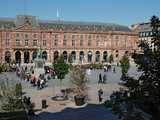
(87, 42)
(144, 31)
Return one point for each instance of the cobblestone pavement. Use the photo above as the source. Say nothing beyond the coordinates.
(66, 109)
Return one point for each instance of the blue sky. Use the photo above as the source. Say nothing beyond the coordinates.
(125, 12)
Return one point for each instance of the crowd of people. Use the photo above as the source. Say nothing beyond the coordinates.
(27, 73)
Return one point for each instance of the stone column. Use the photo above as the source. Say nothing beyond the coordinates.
(30, 56)
(93, 56)
(77, 57)
(22, 57)
(101, 56)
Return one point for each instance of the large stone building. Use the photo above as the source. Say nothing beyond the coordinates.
(87, 42)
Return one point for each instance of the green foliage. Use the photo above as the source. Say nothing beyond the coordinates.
(144, 92)
(111, 59)
(61, 68)
(18, 89)
(125, 64)
(70, 58)
(96, 66)
(3, 67)
(10, 96)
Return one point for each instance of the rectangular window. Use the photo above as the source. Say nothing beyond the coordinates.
(73, 40)
(56, 42)
(97, 40)
(44, 42)
(73, 43)
(34, 35)
(17, 42)
(44, 35)
(56, 36)
(34, 42)
(7, 35)
(26, 36)
(64, 42)
(89, 40)
(17, 35)
(81, 40)
(73, 36)
(26, 42)
(7, 42)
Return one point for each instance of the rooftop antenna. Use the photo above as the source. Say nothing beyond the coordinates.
(58, 16)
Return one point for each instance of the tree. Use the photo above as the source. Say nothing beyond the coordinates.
(111, 59)
(125, 64)
(61, 68)
(9, 99)
(78, 78)
(70, 58)
(18, 90)
(144, 92)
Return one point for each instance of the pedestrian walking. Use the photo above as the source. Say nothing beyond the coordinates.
(100, 93)
(38, 84)
(114, 70)
(104, 79)
(100, 78)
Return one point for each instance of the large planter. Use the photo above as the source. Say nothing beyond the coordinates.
(79, 100)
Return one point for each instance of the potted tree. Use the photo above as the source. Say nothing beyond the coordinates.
(61, 69)
(79, 80)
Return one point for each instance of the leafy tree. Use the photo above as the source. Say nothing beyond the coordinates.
(125, 64)
(144, 92)
(18, 90)
(61, 68)
(9, 99)
(70, 58)
(111, 59)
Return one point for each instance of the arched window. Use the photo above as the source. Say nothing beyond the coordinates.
(44, 55)
(81, 57)
(55, 56)
(34, 55)
(18, 57)
(26, 56)
(73, 54)
(97, 56)
(65, 56)
(7, 57)
(105, 55)
(89, 56)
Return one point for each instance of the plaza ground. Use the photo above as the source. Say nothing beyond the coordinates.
(66, 110)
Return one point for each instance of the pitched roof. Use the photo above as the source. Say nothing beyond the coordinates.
(10, 23)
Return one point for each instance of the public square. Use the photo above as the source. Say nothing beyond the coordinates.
(67, 108)
(79, 60)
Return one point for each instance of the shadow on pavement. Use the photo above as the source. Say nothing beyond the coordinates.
(90, 112)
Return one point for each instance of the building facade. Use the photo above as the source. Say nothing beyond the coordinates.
(144, 31)
(86, 42)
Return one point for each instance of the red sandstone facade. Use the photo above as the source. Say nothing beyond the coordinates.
(19, 44)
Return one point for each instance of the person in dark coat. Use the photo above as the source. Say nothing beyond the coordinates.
(38, 84)
(100, 93)
(100, 78)
(104, 79)
(114, 70)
